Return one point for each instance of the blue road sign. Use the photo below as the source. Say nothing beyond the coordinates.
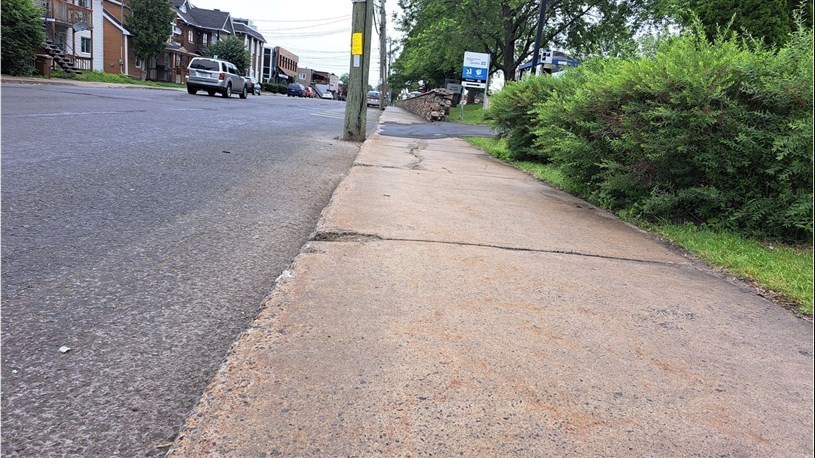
(474, 74)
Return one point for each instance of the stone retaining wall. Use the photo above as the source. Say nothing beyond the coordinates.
(431, 106)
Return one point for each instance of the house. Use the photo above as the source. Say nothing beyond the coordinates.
(194, 30)
(69, 32)
(114, 51)
(91, 35)
(253, 42)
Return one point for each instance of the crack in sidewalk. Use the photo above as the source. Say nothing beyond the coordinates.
(414, 148)
(351, 236)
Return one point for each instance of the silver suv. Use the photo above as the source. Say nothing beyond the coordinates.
(213, 75)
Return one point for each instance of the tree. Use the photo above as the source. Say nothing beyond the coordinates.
(770, 21)
(231, 50)
(439, 31)
(22, 35)
(151, 22)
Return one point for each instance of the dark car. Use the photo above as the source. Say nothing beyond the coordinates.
(296, 90)
(373, 98)
(252, 85)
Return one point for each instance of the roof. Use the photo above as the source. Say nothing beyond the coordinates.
(208, 19)
(243, 28)
(175, 46)
(110, 17)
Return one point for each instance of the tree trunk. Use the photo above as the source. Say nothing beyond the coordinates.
(508, 53)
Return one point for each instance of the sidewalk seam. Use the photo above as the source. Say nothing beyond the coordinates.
(351, 236)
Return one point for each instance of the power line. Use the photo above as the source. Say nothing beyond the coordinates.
(316, 51)
(304, 20)
(326, 33)
(335, 21)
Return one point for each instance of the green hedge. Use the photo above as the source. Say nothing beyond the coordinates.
(713, 133)
(22, 34)
(273, 88)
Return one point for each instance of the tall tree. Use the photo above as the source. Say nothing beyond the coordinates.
(151, 22)
(230, 49)
(770, 21)
(22, 34)
(439, 31)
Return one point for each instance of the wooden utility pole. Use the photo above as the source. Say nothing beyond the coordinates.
(355, 105)
(383, 58)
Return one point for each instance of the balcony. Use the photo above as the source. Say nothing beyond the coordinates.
(65, 13)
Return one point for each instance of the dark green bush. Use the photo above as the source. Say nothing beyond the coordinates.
(714, 133)
(511, 109)
(22, 34)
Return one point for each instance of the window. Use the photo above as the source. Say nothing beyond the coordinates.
(85, 45)
(204, 40)
(205, 64)
(139, 63)
(190, 37)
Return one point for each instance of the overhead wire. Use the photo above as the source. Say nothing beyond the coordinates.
(335, 21)
(304, 35)
(303, 20)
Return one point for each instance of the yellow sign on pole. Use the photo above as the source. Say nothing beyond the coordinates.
(356, 44)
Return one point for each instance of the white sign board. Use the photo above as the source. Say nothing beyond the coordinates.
(475, 70)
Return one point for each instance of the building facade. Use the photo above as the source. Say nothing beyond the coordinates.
(284, 68)
(253, 41)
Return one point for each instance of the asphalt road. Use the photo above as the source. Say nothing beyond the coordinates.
(142, 229)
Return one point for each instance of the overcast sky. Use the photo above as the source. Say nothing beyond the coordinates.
(317, 31)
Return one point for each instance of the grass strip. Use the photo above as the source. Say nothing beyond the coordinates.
(785, 271)
(472, 114)
(102, 77)
(780, 269)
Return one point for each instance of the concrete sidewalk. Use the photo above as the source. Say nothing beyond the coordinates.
(449, 304)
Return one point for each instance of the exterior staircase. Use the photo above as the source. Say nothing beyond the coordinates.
(64, 62)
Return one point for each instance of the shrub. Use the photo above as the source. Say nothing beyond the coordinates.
(22, 34)
(717, 133)
(511, 110)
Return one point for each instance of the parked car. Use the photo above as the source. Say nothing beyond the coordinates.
(327, 95)
(252, 85)
(296, 90)
(214, 75)
(309, 92)
(373, 98)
